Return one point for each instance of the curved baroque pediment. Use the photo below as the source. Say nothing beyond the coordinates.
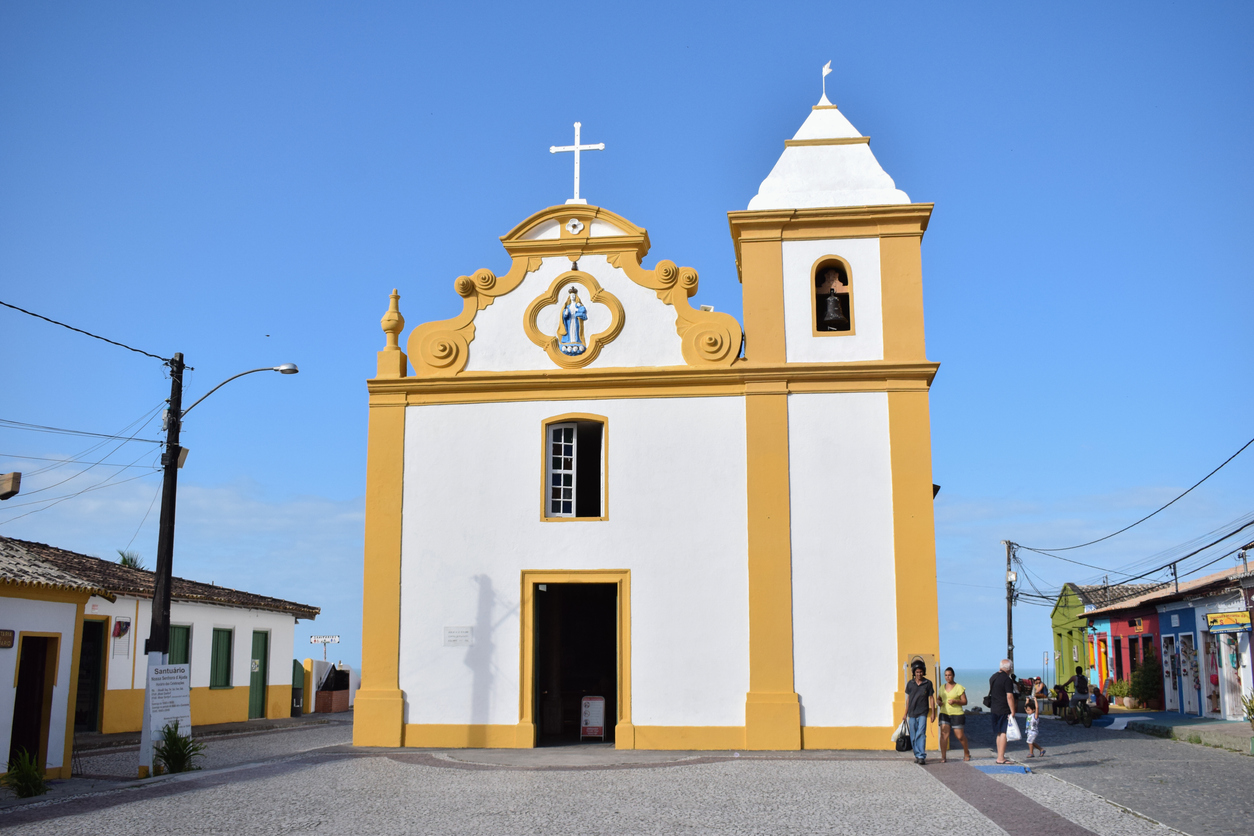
(608, 244)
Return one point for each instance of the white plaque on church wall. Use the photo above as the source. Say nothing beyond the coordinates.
(459, 636)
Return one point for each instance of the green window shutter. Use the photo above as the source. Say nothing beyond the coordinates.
(220, 662)
(180, 641)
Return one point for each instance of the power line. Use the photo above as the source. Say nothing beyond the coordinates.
(971, 585)
(105, 481)
(40, 428)
(53, 501)
(81, 455)
(89, 467)
(1143, 519)
(1223, 532)
(87, 333)
(62, 461)
(155, 494)
(1069, 560)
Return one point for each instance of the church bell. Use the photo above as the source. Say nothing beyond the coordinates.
(834, 318)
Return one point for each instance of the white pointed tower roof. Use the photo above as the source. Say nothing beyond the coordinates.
(826, 163)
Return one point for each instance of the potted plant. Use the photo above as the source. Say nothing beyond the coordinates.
(1147, 682)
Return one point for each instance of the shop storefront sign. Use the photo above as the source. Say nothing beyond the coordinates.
(1228, 622)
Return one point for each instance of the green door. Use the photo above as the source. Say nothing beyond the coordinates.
(259, 665)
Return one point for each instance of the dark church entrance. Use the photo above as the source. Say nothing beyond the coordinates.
(576, 656)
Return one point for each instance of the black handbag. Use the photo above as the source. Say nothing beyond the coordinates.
(903, 743)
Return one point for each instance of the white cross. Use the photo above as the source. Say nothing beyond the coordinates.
(553, 149)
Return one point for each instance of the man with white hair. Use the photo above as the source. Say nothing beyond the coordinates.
(1001, 695)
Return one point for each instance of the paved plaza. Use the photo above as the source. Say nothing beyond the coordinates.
(310, 780)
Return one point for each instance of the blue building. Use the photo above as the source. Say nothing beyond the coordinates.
(1182, 674)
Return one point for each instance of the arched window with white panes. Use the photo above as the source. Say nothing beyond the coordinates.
(574, 468)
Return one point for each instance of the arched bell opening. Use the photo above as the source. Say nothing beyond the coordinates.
(833, 296)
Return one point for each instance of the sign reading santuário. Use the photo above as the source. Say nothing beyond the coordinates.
(170, 692)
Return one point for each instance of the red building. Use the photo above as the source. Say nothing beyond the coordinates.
(1135, 632)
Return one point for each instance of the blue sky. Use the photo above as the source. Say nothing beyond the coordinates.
(246, 183)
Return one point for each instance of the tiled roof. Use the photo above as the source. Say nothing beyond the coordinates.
(18, 565)
(1103, 595)
(1161, 593)
(123, 580)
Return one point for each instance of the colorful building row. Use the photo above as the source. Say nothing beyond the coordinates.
(1199, 630)
(1079, 642)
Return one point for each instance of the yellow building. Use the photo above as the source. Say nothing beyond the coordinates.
(583, 493)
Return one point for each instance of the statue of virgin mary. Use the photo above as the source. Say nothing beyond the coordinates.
(570, 332)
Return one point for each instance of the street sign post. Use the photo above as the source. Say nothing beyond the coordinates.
(324, 641)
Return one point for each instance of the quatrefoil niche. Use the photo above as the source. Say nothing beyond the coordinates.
(569, 340)
(574, 226)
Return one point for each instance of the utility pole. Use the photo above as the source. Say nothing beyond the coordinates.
(1010, 600)
(157, 648)
(159, 633)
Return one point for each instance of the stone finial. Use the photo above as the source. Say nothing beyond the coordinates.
(392, 361)
(393, 323)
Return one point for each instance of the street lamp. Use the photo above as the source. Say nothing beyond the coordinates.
(157, 648)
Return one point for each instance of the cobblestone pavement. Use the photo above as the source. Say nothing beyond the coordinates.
(283, 783)
(1196, 789)
(225, 750)
(384, 795)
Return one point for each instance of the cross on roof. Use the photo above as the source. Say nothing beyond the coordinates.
(553, 149)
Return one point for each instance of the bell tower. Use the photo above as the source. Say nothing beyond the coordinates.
(828, 255)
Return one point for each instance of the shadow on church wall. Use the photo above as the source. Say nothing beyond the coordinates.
(479, 658)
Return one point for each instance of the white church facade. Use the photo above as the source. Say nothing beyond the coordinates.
(584, 486)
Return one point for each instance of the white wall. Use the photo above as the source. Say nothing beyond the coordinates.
(25, 615)
(126, 666)
(867, 341)
(648, 337)
(843, 575)
(471, 523)
(131, 672)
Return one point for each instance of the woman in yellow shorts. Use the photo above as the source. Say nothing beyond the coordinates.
(953, 718)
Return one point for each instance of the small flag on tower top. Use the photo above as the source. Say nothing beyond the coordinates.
(827, 68)
(823, 102)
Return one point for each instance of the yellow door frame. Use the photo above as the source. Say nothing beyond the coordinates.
(624, 731)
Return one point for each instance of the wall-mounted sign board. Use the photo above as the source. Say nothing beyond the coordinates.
(6, 638)
(459, 636)
(1228, 622)
(324, 639)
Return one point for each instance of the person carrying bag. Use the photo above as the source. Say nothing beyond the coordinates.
(901, 738)
(1013, 734)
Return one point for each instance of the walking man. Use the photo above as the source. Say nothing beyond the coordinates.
(920, 703)
(1001, 695)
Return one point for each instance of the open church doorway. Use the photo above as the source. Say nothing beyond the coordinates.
(576, 656)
